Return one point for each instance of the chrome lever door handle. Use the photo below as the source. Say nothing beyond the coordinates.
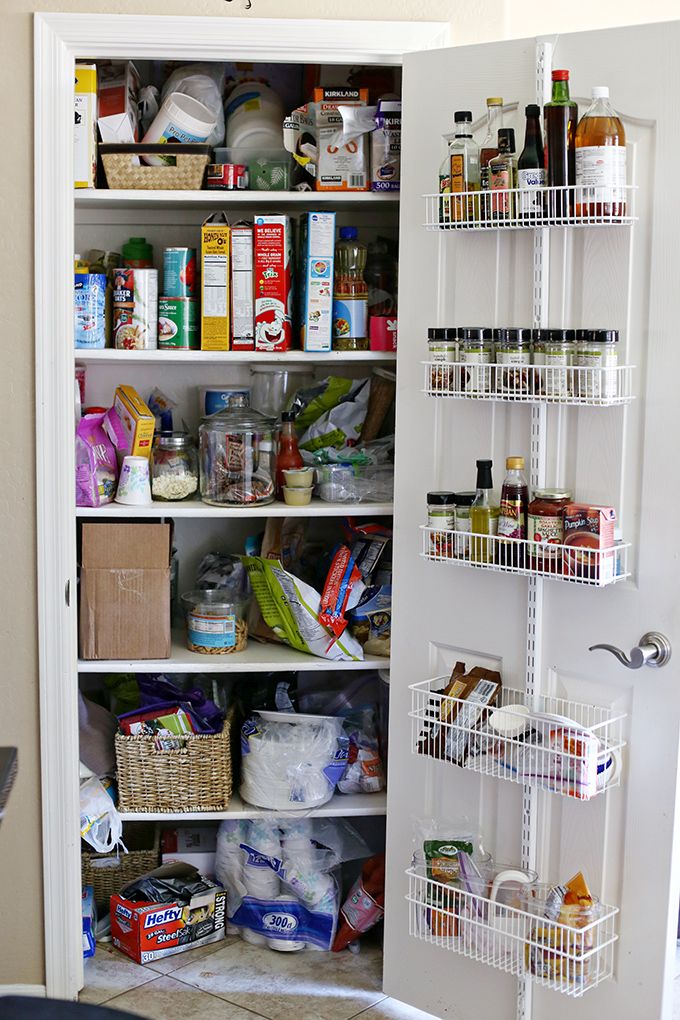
(653, 649)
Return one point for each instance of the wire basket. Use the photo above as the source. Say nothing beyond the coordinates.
(125, 171)
(194, 777)
(109, 873)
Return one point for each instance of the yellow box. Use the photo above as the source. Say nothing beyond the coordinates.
(137, 421)
(215, 275)
(85, 127)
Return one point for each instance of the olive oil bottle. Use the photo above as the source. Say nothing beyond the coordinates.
(484, 514)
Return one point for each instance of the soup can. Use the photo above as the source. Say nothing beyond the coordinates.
(179, 272)
(177, 324)
(135, 309)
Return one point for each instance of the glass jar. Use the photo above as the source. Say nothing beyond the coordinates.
(237, 457)
(513, 356)
(545, 528)
(441, 514)
(174, 467)
(216, 625)
(558, 357)
(442, 344)
(464, 501)
(597, 357)
(476, 355)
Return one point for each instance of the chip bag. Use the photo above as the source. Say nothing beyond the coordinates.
(96, 464)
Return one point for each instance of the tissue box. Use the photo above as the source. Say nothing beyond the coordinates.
(117, 101)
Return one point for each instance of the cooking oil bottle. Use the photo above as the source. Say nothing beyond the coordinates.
(484, 514)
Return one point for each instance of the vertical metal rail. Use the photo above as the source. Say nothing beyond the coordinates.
(537, 467)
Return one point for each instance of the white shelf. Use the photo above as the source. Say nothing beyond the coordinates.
(102, 198)
(109, 356)
(257, 658)
(350, 805)
(194, 508)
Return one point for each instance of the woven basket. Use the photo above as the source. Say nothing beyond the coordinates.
(187, 174)
(196, 777)
(109, 873)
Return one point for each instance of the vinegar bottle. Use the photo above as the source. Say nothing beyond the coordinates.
(288, 457)
(600, 159)
(512, 520)
(560, 129)
(350, 293)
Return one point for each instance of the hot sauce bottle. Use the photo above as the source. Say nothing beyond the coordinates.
(288, 457)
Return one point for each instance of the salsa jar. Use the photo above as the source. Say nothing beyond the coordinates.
(513, 360)
(442, 344)
(476, 355)
(545, 529)
(441, 514)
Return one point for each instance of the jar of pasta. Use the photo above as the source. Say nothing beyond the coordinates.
(216, 624)
(476, 355)
(513, 358)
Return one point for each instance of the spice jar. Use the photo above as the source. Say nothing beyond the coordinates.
(476, 354)
(174, 467)
(545, 528)
(597, 358)
(441, 514)
(464, 501)
(558, 357)
(216, 625)
(236, 456)
(513, 356)
(442, 343)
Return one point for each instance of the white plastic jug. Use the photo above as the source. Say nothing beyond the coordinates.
(180, 119)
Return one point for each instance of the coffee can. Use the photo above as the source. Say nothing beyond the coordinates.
(135, 309)
(177, 324)
(179, 272)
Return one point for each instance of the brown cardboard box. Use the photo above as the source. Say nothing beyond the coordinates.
(125, 591)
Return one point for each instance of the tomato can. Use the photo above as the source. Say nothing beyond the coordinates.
(135, 309)
(177, 324)
(179, 272)
(227, 177)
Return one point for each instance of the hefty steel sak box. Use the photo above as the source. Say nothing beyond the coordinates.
(273, 248)
(150, 931)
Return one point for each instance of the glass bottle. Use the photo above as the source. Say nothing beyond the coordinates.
(489, 149)
(561, 114)
(288, 457)
(531, 167)
(445, 185)
(503, 176)
(476, 352)
(600, 159)
(484, 514)
(512, 519)
(464, 153)
(350, 293)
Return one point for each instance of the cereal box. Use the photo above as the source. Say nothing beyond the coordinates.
(242, 324)
(317, 252)
(85, 127)
(215, 275)
(273, 248)
(589, 532)
(148, 932)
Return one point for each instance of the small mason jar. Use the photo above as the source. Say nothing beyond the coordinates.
(513, 360)
(558, 358)
(441, 514)
(476, 355)
(174, 468)
(442, 343)
(597, 358)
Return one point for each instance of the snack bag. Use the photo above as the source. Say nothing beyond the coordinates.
(96, 464)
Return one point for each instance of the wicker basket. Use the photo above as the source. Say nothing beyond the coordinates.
(187, 174)
(109, 873)
(196, 777)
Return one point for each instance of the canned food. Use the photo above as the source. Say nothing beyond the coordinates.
(227, 176)
(177, 324)
(135, 309)
(179, 272)
(90, 310)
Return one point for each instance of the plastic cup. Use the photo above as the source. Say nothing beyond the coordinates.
(299, 478)
(134, 487)
(297, 497)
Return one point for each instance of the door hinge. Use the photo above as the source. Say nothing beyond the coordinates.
(67, 593)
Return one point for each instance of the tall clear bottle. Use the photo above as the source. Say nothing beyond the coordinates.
(503, 176)
(464, 155)
(484, 514)
(350, 293)
(445, 185)
(531, 167)
(600, 159)
(489, 148)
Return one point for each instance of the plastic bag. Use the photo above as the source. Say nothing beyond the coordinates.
(175, 882)
(157, 689)
(377, 453)
(226, 573)
(338, 425)
(100, 823)
(204, 82)
(96, 464)
(147, 106)
(364, 770)
(364, 904)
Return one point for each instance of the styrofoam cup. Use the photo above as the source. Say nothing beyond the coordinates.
(134, 487)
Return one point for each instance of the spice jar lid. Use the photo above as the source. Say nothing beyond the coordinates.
(172, 440)
(474, 333)
(442, 333)
(441, 498)
(601, 336)
(552, 494)
(560, 336)
(464, 498)
(512, 335)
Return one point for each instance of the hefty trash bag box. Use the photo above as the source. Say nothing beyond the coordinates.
(125, 591)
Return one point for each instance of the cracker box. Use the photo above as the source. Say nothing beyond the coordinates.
(85, 127)
(242, 311)
(589, 534)
(317, 253)
(148, 932)
(117, 101)
(137, 424)
(215, 277)
(273, 249)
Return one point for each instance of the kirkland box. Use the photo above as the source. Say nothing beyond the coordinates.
(242, 320)
(273, 246)
(314, 135)
(215, 275)
(317, 247)
(85, 127)
(117, 101)
(125, 591)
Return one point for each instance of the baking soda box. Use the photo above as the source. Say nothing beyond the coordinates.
(317, 253)
(273, 265)
(215, 276)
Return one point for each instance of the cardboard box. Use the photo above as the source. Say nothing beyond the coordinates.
(215, 275)
(85, 127)
(590, 531)
(317, 259)
(242, 307)
(137, 424)
(386, 147)
(273, 246)
(192, 845)
(89, 913)
(117, 90)
(125, 591)
(313, 133)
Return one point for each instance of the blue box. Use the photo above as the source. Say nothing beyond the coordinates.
(317, 263)
(89, 912)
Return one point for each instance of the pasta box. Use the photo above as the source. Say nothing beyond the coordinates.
(589, 541)
(151, 931)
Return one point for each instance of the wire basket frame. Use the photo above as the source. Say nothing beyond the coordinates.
(526, 208)
(529, 384)
(519, 941)
(567, 747)
(577, 564)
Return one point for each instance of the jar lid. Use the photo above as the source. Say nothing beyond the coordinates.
(512, 335)
(552, 494)
(601, 336)
(172, 440)
(474, 333)
(441, 498)
(464, 498)
(514, 463)
(238, 419)
(442, 333)
(560, 336)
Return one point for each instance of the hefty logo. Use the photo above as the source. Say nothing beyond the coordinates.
(167, 916)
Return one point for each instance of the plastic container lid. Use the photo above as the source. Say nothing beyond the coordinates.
(442, 333)
(348, 233)
(462, 117)
(474, 333)
(600, 92)
(465, 498)
(514, 463)
(494, 101)
(441, 498)
(139, 249)
(560, 336)
(599, 336)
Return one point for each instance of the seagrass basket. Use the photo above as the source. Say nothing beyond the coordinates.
(124, 171)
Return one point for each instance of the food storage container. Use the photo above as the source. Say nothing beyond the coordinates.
(174, 469)
(299, 478)
(273, 388)
(216, 624)
(237, 457)
(297, 497)
(269, 169)
(347, 483)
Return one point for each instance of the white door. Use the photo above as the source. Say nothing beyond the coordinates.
(622, 277)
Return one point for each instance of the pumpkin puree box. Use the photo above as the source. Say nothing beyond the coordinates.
(589, 534)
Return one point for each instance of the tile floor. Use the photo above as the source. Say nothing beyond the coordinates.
(236, 981)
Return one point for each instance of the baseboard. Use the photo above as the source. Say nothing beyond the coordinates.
(34, 991)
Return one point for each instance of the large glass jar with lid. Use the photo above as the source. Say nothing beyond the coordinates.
(236, 448)
(513, 358)
(174, 466)
(476, 355)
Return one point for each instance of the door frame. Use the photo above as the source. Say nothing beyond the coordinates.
(58, 40)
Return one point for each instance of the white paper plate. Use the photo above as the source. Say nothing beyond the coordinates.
(292, 717)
